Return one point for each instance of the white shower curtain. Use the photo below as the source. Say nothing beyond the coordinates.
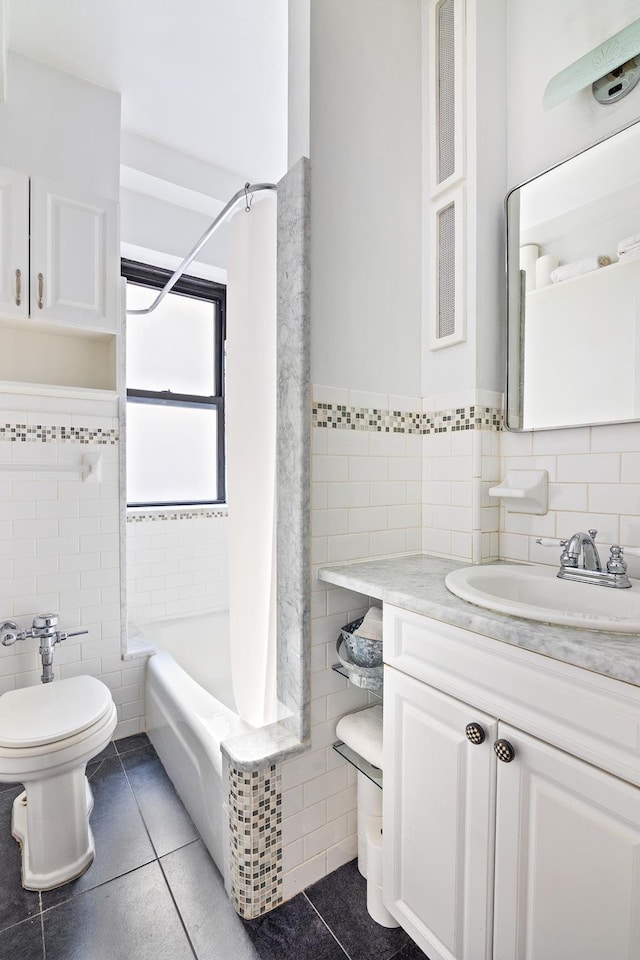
(251, 452)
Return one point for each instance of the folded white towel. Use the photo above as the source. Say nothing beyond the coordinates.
(569, 270)
(631, 254)
(362, 732)
(624, 245)
(371, 626)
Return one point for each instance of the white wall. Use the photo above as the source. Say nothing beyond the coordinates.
(58, 126)
(366, 318)
(366, 194)
(158, 226)
(544, 38)
(299, 80)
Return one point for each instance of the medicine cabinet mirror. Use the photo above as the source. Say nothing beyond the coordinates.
(573, 285)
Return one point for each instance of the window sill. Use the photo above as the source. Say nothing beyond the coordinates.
(213, 511)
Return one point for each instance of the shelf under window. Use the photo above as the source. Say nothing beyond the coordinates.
(376, 690)
(373, 773)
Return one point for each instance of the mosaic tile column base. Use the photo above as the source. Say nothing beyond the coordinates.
(255, 838)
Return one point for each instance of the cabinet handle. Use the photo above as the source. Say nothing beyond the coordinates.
(474, 733)
(18, 288)
(504, 751)
(40, 291)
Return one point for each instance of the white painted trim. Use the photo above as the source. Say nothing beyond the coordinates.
(156, 258)
(457, 197)
(437, 188)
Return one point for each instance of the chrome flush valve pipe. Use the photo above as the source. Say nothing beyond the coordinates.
(44, 628)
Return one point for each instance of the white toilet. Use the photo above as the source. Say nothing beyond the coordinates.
(48, 734)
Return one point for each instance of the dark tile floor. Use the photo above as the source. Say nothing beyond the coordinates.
(153, 892)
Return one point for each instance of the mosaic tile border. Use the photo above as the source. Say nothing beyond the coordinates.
(26, 433)
(255, 834)
(163, 515)
(341, 417)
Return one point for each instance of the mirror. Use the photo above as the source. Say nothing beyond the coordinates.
(573, 284)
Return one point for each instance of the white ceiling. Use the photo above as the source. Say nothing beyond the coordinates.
(206, 77)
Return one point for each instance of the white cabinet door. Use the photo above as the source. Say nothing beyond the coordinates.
(74, 258)
(567, 858)
(439, 795)
(14, 244)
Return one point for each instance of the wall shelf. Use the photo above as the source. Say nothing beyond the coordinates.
(374, 689)
(373, 773)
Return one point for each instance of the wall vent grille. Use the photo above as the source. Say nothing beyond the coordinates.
(446, 323)
(446, 90)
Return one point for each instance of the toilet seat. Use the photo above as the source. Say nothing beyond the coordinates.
(49, 715)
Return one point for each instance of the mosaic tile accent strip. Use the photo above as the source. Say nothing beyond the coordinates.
(340, 417)
(163, 515)
(474, 417)
(255, 829)
(24, 433)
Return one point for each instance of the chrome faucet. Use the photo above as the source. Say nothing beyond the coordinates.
(580, 545)
(580, 561)
(44, 629)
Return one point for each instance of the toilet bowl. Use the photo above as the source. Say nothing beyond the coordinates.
(48, 734)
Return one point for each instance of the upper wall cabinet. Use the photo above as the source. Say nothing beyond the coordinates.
(14, 244)
(69, 276)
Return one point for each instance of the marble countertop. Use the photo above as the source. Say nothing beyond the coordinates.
(417, 583)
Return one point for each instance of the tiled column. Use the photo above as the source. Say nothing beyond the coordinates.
(255, 840)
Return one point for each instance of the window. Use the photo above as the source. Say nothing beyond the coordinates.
(175, 391)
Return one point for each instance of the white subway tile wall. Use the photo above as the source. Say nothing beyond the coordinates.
(59, 552)
(177, 563)
(366, 499)
(459, 519)
(594, 482)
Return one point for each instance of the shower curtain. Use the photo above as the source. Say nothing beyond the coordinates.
(251, 451)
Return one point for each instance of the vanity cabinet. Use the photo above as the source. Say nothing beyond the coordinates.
(534, 856)
(59, 261)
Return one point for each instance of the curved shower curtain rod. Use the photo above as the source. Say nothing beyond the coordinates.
(245, 193)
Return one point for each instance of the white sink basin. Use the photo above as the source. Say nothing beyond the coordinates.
(536, 593)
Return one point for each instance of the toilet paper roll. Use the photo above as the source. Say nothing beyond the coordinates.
(528, 255)
(544, 268)
(369, 804)
(375, 907)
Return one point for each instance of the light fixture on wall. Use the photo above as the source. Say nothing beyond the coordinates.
(611, 69)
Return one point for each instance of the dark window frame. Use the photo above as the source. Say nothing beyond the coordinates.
(195, 288)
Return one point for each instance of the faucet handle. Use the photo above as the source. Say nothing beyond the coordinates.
(63, 635)
(551, 542)
(616, 562)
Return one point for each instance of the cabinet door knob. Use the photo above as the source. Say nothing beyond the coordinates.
(475, 734)
(18, 287)
(504, 751)
(40, 291)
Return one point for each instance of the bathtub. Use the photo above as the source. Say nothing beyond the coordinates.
(189, 712)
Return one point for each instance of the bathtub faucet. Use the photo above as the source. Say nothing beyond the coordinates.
(43, 628)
